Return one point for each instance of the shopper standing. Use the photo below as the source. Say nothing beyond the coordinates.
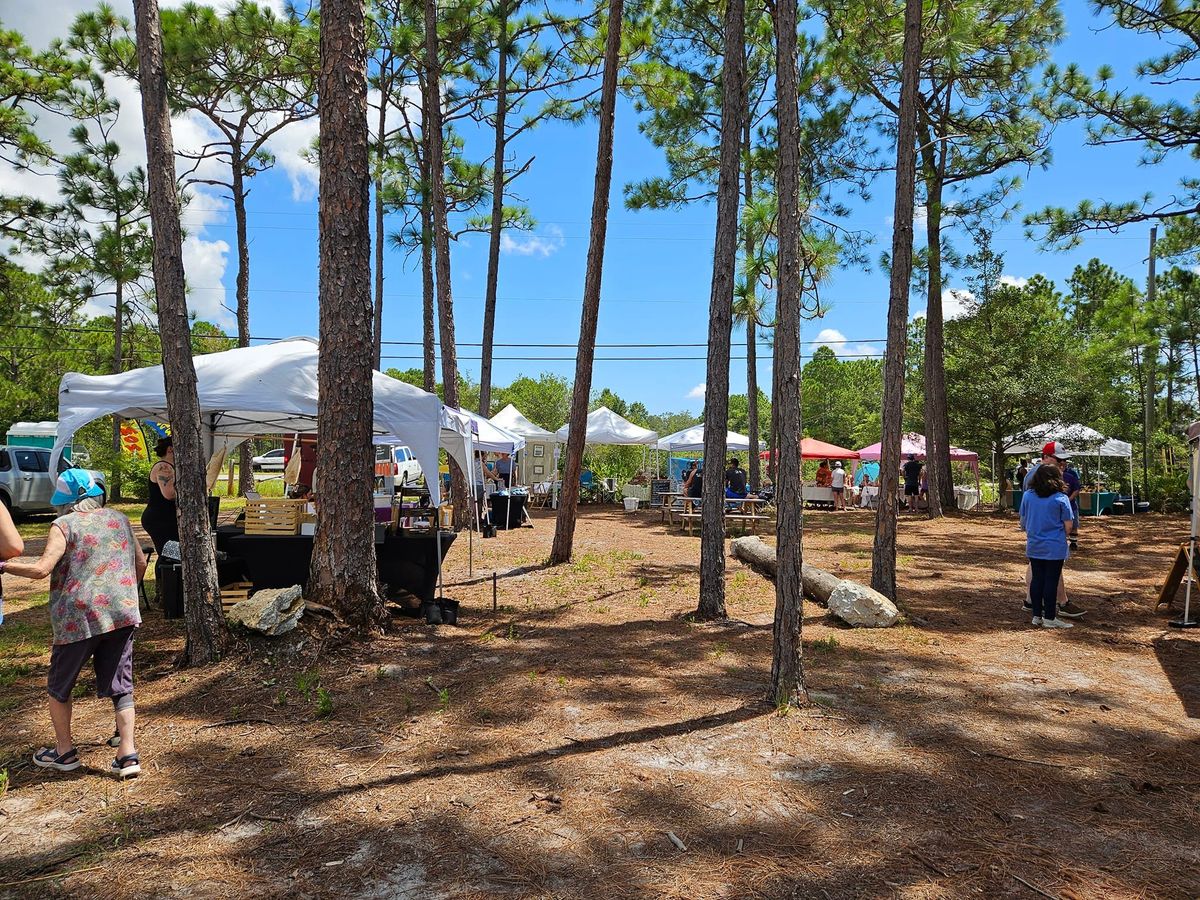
(95, 564)
(159, 519)
(1046, 517)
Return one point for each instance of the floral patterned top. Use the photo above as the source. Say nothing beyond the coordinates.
(94, 587)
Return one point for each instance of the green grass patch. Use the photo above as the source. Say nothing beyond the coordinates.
(824, 645)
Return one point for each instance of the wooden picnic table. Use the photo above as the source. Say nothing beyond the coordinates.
(747, 510)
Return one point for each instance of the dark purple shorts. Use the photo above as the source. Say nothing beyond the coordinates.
(112, 658)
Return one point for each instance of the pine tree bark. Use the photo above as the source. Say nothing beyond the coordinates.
(568, 500)
(493, 272)
(755, 464)
(883, 556)
(431, 124)
(937, 417)
(380, 237)
(242, 291)
(343, 562)
(720, 317)
(203, 622)
(787, 664)
(428, 334)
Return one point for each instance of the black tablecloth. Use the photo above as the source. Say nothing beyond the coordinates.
(508, 510)
(406, 561)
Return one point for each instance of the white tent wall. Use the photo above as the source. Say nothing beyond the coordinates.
(268, 389)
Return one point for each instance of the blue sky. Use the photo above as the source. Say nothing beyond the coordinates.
(658, 264)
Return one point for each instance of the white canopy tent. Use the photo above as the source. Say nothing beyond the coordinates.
(491, 437)
(512, 421)
(605, 427)
(1078, 440)
(269, 389)
(691, 440)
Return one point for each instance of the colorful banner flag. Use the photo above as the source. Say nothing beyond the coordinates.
(133, 440)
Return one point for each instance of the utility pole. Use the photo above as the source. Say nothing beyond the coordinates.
(1149, 360)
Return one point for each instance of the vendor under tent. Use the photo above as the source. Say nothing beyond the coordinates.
(1081, 441)
(605, 427)
(691, 440)
(913, 444)
(537, 464)
(268, 389)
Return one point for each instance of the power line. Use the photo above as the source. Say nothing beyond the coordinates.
(76, 329)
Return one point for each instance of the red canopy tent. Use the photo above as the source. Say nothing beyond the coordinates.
(811, 448)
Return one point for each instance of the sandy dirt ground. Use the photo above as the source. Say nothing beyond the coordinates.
(588, 740)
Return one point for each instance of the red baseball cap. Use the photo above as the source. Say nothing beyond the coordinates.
(1055, 449)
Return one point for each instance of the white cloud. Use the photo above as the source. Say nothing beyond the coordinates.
(1014, 281)
(956, 303)
(550, 241)
(696, 393)
(290, 145)
(843, 346)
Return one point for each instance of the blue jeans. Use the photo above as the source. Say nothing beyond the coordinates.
(734, 495)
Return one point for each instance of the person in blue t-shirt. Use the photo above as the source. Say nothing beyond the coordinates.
(1055, 454)
(1046, 518)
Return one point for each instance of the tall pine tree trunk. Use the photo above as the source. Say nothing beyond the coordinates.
(568, 500)
(431, 123)
(118, 365)
(343, 561)
(493, 271)
(380, 237)
(428, 333)
(883, 557)
(755, 463)
(203, 622)
(242, 290)
(937, 417)
(787, 668)
(720, 317)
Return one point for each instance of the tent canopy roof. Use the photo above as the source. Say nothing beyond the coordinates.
(811, 448)
(605, 427)
(1079, 439)
(511, 420)
(268, 389)
(914, 444)
(691, 440)
(489, 437)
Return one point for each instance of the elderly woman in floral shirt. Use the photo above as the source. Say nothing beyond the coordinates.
(95, 564)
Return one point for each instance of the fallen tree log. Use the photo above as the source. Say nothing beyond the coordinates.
(818, 584)
(849, 601)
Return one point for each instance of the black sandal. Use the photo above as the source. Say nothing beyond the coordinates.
(126, 766)
(49, 758)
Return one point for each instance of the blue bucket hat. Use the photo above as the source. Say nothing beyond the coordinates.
(73, 485)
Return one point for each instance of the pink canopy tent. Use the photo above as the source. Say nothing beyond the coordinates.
(811, 448)
(913, 444)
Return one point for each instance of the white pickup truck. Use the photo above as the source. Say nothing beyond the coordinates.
(396, 467)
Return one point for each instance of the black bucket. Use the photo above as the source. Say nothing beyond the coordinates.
(432, 610)
(449, 610)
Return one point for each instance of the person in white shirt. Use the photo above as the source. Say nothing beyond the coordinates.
(839, 486)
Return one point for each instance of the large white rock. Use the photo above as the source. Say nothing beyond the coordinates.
(857, 604)
(273, 612)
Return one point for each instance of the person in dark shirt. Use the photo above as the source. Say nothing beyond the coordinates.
(912, 480)
(735, 480)
(692, 485)
(1074, 485)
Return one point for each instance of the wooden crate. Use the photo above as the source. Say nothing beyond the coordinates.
(274, 516)
(235, 593)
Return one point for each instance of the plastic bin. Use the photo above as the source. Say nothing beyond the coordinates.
(631, 504)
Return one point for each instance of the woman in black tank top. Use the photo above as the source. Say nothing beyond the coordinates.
(159, 518)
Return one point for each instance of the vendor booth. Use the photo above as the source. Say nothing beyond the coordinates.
(912, 444)
(1080, 441)
(272, 389)
(811, 448)
(536, 464)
